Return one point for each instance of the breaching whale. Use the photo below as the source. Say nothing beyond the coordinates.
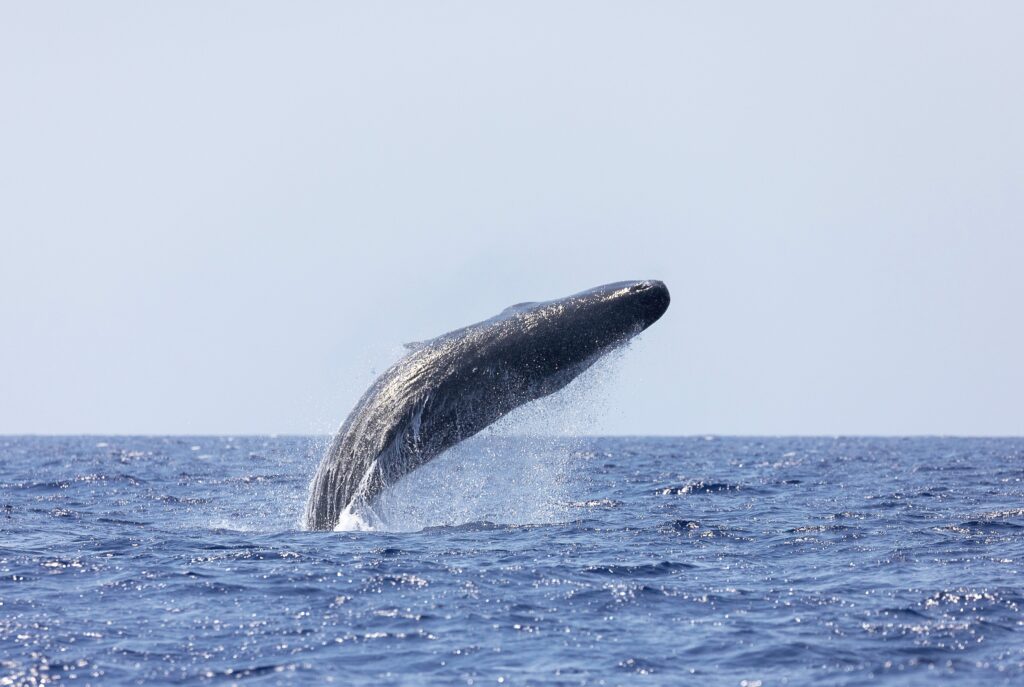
(449, 388)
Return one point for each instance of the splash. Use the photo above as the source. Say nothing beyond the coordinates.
(519, 471)
(357, 521)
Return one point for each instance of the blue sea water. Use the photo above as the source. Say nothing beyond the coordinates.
(598, 561)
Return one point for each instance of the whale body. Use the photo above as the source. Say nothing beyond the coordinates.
(449, 388)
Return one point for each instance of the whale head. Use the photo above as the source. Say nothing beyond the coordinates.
(608, 313)
(551, 342)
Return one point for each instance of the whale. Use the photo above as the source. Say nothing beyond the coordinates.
(449, 388)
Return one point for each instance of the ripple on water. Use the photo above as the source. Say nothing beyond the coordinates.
(800, 561)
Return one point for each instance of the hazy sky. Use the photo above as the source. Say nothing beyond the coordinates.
(223, 217)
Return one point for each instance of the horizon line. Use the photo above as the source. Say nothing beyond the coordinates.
(698, 435)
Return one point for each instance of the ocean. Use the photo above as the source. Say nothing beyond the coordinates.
(584, 561)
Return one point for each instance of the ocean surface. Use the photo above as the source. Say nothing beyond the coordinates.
(587, 561)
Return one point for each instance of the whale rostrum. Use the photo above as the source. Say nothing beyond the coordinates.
(449, 388)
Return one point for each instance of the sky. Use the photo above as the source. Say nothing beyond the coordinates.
(226, 218)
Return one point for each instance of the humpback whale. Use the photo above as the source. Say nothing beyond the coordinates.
(449, 388)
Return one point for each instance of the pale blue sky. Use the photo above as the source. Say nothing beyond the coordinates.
(222, 217)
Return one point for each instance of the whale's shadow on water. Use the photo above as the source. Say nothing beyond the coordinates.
(523, 470)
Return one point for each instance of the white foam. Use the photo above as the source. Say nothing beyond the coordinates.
(354, 521)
